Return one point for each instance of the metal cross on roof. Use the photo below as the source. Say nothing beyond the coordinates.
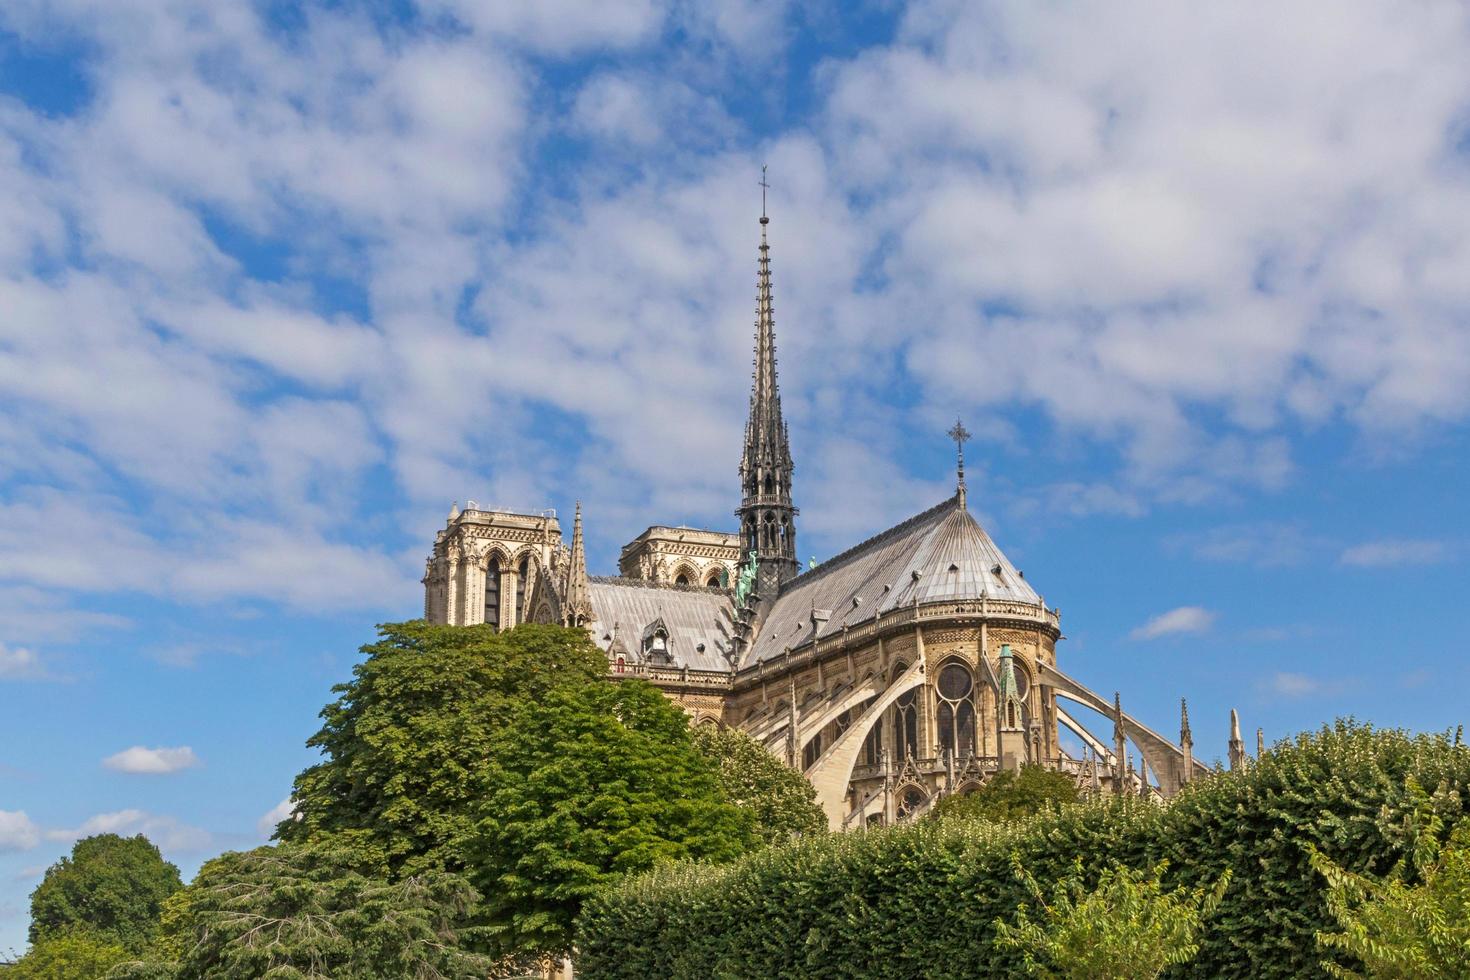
(960, 435)
(764, 187)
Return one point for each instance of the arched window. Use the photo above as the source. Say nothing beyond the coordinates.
(788, 536)
(683, 579)
(714, 579)
(873, 743)
(956, 715)
(750, 535)
(525, 572)
(906, 723)
(812, 751)
(622, 665)
(770, 485)
(770, 530)
(492, 592)
(910, 799)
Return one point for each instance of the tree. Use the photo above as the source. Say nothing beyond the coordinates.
(1010, 794)
(110, 886)
(408, 738)
(781, 801)
(1399, 930)
(68, 956)
(301, 911)
(1127, 928)
(592, 783)
(512, 759)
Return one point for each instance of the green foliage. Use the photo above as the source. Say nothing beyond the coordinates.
(68, 956)
(921, 901)
(510, 758)
(112, 887)
(1011, 795)
(1399, 929)
(781, 801)
(408, 739)
(293, 911)
(592, 783)
(1127, 928)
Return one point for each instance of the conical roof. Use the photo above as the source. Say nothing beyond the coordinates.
(940, 554)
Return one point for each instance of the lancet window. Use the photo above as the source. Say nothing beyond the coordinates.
(956, 714)
(906, 723)
(492, 592)
(525, 573)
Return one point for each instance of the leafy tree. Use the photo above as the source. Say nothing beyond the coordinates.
(780, 799)
(591, 783)
(1010, 794)
(68, 956)
(408, 738)
(1127, 928)
(1399, 930)
(300, 911)
(110, 886)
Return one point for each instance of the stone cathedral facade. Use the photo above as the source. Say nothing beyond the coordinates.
(916, 664)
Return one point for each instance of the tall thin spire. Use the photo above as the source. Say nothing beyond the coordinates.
(1237, 744)
(1120, 742)
(767, 515)
(578, 609)
(1186, 742)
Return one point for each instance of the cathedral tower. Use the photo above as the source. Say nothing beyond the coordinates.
(767, 516)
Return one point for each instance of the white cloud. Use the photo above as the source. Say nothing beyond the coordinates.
(18, 663)
(156, 761)
(1393, 553)
(1185, 619)
(266, 825)
(1291, 685)
(17, 831)
(167, 832)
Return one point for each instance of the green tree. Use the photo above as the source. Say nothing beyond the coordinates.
(781, 801)
(301, 911)
(110, 886)
(408, 738)
(592, 783)
(1399, 930)
(511, 758)
(1127, 928)
(68, 956)
(1010, 794)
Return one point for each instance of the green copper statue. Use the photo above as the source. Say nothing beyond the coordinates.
(746, 582)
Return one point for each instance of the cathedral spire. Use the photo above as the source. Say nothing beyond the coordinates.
(960, 436)
(767, 515)
(1237, 744)
(578, 608)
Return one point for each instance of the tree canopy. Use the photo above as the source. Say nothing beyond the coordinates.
(112, 887)
(68, 956)
(512, 759)
(302, 911)
(1010, 794)
(781, 801)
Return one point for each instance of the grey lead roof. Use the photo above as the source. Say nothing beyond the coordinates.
(623, 609)
(950, 552)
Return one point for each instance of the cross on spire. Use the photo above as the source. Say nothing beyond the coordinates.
(960, 435)
(764, 187)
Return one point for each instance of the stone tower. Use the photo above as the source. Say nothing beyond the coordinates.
(767, 516)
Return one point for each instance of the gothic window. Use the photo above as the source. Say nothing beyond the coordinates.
(910, 799)
(873, 743)
(770, 486)
(525, 572)
(492, 592)
(770, 541)
(956, 715)
(905, 723)
(788, 536)
(683, 579)
(812, 752)
(714, 579)
(750, 534)
(622, 665)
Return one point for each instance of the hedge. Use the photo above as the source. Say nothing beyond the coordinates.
(921, 900)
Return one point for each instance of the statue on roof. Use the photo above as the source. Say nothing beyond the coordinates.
(746, 582)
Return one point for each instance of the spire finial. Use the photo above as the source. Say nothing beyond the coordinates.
(578, 603)
(960, 435)
(765, 186)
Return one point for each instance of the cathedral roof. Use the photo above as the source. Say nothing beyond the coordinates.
(942, 553)
(698, 621)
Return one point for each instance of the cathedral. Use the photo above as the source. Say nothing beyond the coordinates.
(914, 665)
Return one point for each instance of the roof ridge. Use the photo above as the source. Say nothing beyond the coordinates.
(648, 583)
(841, 559)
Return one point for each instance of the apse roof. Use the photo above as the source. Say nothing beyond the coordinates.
(942, 553)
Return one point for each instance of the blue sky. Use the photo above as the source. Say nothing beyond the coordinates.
(280, 282)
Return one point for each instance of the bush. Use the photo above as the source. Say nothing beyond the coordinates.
(920, 901)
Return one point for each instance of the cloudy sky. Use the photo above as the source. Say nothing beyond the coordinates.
(279, 282)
